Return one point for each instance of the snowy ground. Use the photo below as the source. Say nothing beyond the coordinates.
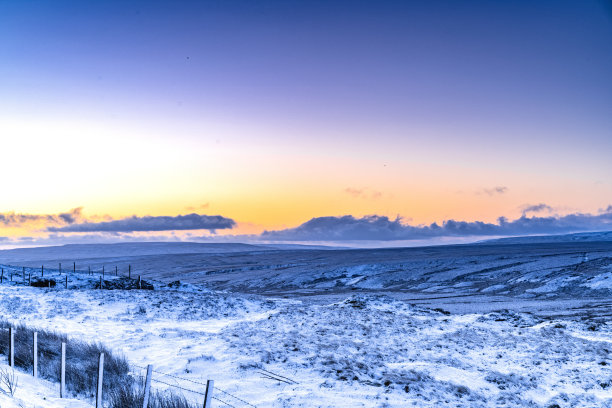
(363, 351)
(31, 393)
(465, 326)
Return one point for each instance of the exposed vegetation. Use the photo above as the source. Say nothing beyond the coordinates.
(81, 359)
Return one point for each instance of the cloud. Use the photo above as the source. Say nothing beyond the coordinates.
(12, 219)
(365, 193)
(535, 208)
(494, 190)
(355, 192)
(199, 207)
(381, 228)
(149, 223)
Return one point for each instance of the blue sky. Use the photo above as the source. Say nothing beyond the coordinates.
(273, 113)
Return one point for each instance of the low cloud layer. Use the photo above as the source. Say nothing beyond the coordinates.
(494, 190)
(149, 223)
(364, 193)
(537, 208)
(12, 219)
(381, 228)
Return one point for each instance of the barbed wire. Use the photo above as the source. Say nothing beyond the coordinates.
(278, 375)
(199, 383)
(177, 386)
(220, 400)
(233, 396)
(192, 391)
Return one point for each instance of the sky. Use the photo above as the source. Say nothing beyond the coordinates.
(303, 120)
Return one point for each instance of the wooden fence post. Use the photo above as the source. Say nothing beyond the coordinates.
(60, 268)
(35, 355)
(12, 346)
(23, 274)
(100, 381)
(66, 281)
(208, 394)
(139, 282)
(42, 271)
(74, 267)
(116, 274)
(63, 373)
(147, 390)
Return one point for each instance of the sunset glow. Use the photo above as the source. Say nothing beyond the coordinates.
(271, 115)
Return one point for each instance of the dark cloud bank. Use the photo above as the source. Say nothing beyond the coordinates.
(341, 228)
(149, 223)
(12, 219)
(380, 228)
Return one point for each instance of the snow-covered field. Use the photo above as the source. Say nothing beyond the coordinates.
(33, 393)
(511, 345)
(368, 351)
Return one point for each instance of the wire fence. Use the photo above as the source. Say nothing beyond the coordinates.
(63, 277)
(21, 349)
(15, 274)
(182, 387)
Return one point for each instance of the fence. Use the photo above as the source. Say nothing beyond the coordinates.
(64, 276)
(38, 356)
(92, 373)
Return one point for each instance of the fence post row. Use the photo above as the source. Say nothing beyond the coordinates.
(100, 381)
(63, 372)
(208, 394)
(35, 355)
(147, 390)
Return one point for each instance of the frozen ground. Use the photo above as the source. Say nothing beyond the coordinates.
(31, 393)
(514, 328)
(364, 351)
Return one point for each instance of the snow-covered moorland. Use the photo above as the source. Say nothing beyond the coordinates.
(463, 326)
(364, 350)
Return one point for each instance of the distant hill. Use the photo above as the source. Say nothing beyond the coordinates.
(81, 251)
(73, 252)
(572, 266)
(542, 239)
